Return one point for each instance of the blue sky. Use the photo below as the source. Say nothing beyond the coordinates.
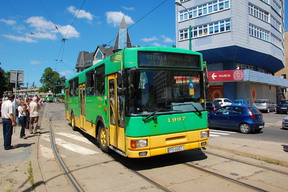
(31, 31)
(29, 40)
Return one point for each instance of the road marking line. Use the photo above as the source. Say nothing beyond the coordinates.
(219, 133)
(212, 135)
(76, 137)
(75, 148)
(46, 152)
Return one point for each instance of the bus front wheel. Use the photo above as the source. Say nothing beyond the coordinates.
(102, 139)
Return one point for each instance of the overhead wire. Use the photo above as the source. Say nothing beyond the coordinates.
(159, 5)
(49, 17)
(63, 38)
(74, 19)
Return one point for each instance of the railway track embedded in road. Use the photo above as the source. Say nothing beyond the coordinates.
(67, 172)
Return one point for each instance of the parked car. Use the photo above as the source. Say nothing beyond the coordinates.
(282, 106)
(265, 105)
(211, 106)
(223, 101)
(239, 117)
(240, 102)
(285, 123)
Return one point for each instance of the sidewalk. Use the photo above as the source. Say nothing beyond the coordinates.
(271, 152)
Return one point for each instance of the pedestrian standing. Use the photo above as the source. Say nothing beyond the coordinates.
(22, 116)
(8, 121)
(34, 115)
(27, 102)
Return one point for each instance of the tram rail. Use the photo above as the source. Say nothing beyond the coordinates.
(153, 180)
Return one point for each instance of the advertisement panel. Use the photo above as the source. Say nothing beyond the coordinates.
(229, 75)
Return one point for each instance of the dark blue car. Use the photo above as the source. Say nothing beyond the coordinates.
(239, 117)
(282, 106)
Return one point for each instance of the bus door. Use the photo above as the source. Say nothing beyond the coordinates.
(116, 130)
(82, 106)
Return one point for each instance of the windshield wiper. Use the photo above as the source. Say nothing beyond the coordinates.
(198, 111)
(152, 114)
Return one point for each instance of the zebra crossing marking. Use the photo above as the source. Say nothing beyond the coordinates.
(76, 137)
(218, 133)
(68, 145)
(74, 147)
(46, 152)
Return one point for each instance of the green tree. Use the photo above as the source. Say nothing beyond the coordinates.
(51, 81)
(5, 84)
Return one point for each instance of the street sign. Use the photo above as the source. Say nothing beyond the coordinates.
(16, 75)
(229, 75)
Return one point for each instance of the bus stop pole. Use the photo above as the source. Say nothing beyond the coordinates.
(15, 99)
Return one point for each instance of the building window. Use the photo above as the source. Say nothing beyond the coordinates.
(258, 13)
(183, 34)
(99, 55)
(276, 41)
(204, 9)
(276, 24)
(258, 32)
(207, 29)
(283, 76)
(276, 7)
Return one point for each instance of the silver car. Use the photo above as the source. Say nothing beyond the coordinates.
(285, 123)
(265, 105)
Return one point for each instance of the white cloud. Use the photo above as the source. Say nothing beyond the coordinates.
(68, 31)
(40, 24)
(128, 8)
(146, 39)
(115, 18)
(157, 45)
(18, 38)
(34, 62)
(80, 13)
(167, 39)
(42, 35)
(8, 22)
(43, 29)
(64, 73)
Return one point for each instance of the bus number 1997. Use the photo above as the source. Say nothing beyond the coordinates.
(176, 119)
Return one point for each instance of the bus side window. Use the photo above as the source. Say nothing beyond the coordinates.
(100, 80)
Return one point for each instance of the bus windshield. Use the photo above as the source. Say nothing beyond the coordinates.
(151, 91)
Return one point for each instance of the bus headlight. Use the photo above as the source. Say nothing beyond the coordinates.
(204, 134)
(139, 143)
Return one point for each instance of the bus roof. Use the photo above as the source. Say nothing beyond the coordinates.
(131, 60)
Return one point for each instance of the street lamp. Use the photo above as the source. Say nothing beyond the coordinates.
(177, 3)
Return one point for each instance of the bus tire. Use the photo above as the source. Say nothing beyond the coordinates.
(102, 139)
(73, 124)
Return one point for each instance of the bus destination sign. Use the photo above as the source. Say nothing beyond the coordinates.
(164, 59)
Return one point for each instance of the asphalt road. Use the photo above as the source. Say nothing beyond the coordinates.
(272, 131)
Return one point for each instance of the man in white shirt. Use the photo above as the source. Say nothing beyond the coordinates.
(34, 115)
(8, 120)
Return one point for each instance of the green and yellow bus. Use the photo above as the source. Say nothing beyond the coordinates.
(141, 102)
(60, 97)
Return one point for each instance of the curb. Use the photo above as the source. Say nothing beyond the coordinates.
(253, 156)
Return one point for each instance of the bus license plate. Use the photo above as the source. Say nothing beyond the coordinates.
(175, 149)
